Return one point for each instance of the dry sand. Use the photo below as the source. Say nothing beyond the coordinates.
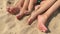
(10, 25)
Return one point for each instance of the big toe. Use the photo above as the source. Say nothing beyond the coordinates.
(19, 16)
(43, 28)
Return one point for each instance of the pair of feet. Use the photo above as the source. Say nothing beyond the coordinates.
(23, 11)
(22, 7)
(41, 21)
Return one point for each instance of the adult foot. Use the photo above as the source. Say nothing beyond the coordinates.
(41, 23)
(43, 8)
(13, 10)
(22, 13)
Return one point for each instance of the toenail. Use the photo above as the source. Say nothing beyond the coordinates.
(18, 17)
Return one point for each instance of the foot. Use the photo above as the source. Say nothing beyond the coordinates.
(41, 23)
(22, 13)
(13, 10)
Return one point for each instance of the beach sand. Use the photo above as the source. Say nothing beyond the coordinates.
(10, 25)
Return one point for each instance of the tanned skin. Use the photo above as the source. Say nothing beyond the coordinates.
(44, 17)
(26, 6)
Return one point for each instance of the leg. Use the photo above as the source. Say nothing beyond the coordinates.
(31, 5)
(43, 18)
(17, 6)
(40, 10)
(37, 7)
(23, 10)
(27, 5)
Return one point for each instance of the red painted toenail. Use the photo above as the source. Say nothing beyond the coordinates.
(18, 17)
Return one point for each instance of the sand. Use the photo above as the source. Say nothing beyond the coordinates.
(10, 25)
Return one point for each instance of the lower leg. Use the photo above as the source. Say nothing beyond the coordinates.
(31, 5)
(23, 10)
(42, 19)
(40, 10)
(53, 8)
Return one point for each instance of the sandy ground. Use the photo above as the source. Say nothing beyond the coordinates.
(10, 25)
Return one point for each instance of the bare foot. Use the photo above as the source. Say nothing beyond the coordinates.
(23, 10)
(43, 18)
(41, 23)
(13, 10)
(42, 9)
(16, 8)
(22, 13)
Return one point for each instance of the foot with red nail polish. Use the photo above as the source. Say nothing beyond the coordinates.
(13, 10)
(41, 23)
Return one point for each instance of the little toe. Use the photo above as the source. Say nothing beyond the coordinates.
(44, 29)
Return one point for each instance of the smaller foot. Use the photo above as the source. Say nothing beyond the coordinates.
(41, 23)
(13, 10)
(21, 14)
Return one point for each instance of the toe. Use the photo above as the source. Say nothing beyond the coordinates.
(41, 23)
(30, 21)
(19, 16)
(9, 10)
(43, 31)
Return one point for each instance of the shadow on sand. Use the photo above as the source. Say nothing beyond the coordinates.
(50, 18)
